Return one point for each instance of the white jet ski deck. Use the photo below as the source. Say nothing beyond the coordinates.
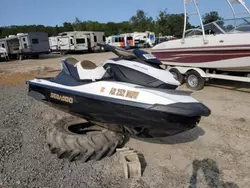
(107, 98)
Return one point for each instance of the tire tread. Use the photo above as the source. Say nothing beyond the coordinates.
(82, 147)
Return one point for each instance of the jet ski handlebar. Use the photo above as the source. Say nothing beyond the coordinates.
(118, 51)
(131, 55)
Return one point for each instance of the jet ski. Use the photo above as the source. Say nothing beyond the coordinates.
(131, 90)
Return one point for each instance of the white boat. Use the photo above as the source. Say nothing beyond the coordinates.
(220, 45)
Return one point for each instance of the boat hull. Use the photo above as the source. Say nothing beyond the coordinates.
(153, 118)
(227, 52)
(226, 60)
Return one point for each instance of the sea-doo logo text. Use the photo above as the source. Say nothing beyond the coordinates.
(61, 98)
(124, 93)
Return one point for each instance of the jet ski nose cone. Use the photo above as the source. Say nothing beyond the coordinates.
(172, 80)
(185, 109)
(204, 110)
(198, 109)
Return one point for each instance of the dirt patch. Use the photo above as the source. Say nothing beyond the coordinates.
(20, 77)
(16, 78)
(242, 120)
(2, 72)
(44, 70)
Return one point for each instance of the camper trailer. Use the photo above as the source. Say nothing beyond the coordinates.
(128, 40)
(116, 40)
(26, 44)
(144, 39)
(80, 41)
(132, 40)
(123, 40)
(3, 54)
(3, 51)
(54, 44)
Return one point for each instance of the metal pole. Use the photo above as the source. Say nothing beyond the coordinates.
(202, 26)
(185, 21)
(244, 5)
(234, 13)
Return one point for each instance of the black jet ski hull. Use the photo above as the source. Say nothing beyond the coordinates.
(156, 118)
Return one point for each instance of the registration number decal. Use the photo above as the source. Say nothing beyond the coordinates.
(149, 56)
(124, 93)
(61, 98)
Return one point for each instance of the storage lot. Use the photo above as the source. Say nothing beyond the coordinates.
(215, 154)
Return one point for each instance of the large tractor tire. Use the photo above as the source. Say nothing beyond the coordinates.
(76, 140)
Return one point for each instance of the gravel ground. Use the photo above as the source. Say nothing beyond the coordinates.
(215, 154)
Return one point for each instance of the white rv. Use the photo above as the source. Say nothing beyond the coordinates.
(144, 39)
(123, 40)
(131, 40)
(26, 44)
(3, 54)
(115, 40)
(3, 49)
(54, 44)
(80, 41)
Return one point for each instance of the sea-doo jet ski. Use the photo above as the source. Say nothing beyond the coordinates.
(131, 90)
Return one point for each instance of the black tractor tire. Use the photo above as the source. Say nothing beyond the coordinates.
(194, 80)
(178, 76)
(76, 140)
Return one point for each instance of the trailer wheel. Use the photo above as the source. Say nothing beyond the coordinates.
(36, 56)
(62, 52)
(103, 49)
(194, 80)
(20, 57)
(76, 140)
(177, 75)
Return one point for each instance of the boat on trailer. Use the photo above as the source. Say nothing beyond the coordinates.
(220, 46)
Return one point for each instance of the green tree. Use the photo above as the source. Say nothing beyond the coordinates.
(211, 17)
(141, 22)
(77, 24)
(165, 23)
(162, 25)
(68, 26)
(170, 24)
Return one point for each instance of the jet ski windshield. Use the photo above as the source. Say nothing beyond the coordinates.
(145, 56)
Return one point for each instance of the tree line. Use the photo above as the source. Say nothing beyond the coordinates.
(163, 24)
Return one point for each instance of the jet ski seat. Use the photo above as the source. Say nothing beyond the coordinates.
(88, 70)
(71, 61)
(86, 64)
(83, 70)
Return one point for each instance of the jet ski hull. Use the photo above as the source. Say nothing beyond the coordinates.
(162, 119)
